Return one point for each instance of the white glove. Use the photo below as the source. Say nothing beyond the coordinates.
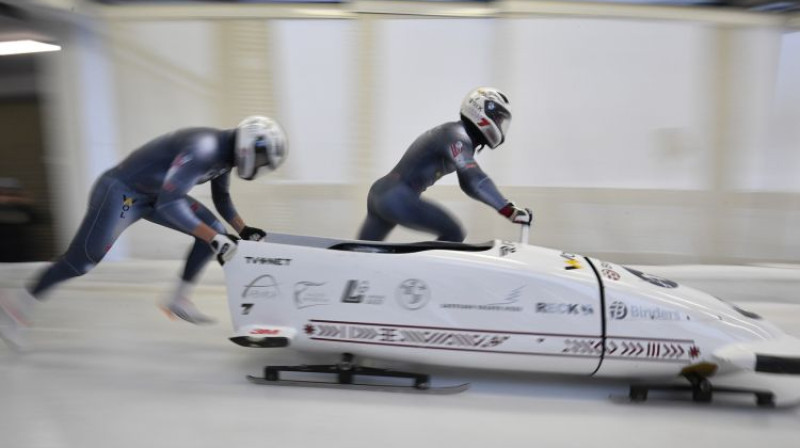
(517, 215)
(224, 247)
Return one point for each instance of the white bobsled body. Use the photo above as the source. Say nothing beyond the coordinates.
(498, 305)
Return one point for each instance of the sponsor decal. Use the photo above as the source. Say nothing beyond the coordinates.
(404, 336)
(269, 261)
(127, 203)
(355, 291)
(507, 248)
(262, 287)
(413, 294)
(654, 279)
(511, 298)
(569, 309)
(619, 310)
(608, 271)
(484, 122)
(308, 294)
(246, 307)
(474, 103)
(472, 307)
(265, 331)
(571, 260)
(509, 304)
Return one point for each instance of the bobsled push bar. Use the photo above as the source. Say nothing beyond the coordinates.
(346, 370)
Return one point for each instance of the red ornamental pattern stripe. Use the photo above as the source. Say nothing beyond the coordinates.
(522, 333)
(638, 349)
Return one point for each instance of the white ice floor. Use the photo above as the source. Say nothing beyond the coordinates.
(106, 369)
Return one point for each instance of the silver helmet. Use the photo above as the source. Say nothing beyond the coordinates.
(487, 108)
(260, 146)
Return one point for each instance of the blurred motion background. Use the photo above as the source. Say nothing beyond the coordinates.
(643, 132)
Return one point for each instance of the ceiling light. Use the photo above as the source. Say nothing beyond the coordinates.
(25, 46)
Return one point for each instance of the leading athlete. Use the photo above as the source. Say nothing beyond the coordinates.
(396, 198)
(153, 183)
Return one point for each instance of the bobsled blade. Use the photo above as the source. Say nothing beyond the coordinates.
(431, 390)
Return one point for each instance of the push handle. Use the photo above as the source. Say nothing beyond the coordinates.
(524, 233)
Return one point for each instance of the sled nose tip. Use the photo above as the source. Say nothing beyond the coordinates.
(778, 356)
(734, 358)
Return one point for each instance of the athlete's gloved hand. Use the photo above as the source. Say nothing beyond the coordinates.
(252, 234)
(224, 247)
(517, 215)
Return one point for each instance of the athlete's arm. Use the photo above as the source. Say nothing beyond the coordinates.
(220, 194)
(473, 181)
(186, 170)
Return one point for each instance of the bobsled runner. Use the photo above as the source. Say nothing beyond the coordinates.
(498, 305)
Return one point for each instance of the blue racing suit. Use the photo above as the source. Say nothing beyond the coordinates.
(153, 183)
(396, 198)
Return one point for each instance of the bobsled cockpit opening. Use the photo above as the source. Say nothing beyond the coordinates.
(375, 246)
(407, 248)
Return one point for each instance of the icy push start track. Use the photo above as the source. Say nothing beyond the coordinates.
(106, 368)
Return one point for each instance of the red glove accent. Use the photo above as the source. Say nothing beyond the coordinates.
(507, 210)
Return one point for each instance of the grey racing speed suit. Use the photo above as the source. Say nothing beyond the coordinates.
(396, 198)
(153, 183)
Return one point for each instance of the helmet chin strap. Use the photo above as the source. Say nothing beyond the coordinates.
(478, 140)
(231, 143)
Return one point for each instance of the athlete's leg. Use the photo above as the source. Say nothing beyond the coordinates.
(112, 208)
(403, 206)
(178, 302)
(376, 227)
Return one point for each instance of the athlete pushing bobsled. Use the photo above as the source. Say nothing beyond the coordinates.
(153, 183)
(396, 198)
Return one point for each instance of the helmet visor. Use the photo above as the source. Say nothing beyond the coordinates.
(500, 115)
(260, 149)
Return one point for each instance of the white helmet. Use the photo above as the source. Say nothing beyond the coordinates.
(487, 108)
(260, 146)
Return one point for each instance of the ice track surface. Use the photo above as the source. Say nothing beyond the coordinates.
(105, 368)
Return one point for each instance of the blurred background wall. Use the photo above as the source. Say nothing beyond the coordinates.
(641, 134)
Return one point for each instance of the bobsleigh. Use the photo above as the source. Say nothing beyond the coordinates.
(498, 305)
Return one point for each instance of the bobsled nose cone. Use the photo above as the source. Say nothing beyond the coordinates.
(781, 355)
(735, 357)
